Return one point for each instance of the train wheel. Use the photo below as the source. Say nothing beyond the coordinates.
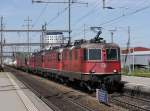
(86, 86)
(119, 86)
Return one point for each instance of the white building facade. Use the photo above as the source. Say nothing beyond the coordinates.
(54, 39)
(136, 58)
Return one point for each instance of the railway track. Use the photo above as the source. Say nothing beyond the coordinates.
(58, 102)
(132, 103)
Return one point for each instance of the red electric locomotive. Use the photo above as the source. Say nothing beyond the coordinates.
(21, 60)
(92, 64)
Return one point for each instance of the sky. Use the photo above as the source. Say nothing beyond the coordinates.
(132, 13)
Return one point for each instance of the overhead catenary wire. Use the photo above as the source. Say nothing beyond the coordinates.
(87, 14)
(104, 23)
(137, 4)
(125, 15)
(57, 15)
(40, 15)
(38, 18)
(53, 18)
(61, 12)
(114, 19)
(92, 11)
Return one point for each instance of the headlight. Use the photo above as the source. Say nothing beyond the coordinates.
(92, 71)
(114, 70)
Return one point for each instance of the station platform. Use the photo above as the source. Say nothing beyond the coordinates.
(137, 83)
(14, 96)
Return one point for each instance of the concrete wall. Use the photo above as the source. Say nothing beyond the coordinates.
(135, 59)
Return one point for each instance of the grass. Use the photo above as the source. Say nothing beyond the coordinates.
(138, 73)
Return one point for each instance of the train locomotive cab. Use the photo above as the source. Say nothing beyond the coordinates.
(91, 64)
(101, 64)
(102, 60)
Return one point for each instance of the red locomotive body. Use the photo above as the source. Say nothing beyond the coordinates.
(102, 59)
(90, 64)
(31, 63)
(21, 60)
(39, 62)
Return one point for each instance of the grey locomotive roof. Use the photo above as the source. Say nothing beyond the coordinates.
(99, 45)
(84, 45)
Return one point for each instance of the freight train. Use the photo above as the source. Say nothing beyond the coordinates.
(91, 64)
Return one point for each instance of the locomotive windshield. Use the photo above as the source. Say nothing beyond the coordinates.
(92, 54)
(111, 54)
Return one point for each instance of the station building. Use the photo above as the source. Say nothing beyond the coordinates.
(136, 56)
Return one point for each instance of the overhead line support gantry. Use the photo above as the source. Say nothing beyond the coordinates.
(69, 14)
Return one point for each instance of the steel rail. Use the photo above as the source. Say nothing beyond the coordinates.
(43, 98)
(141, 99)
(129, 105)
(53, 107)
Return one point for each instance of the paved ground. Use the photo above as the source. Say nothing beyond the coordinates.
(137, 80)
(16, 97)
(137, 83)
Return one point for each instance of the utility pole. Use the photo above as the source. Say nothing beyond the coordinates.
(112, 35)
(131, 57)
(44, 27)
(133, 61)
(129, 37)
(104, 5)
(1, 41)
(41, 41)
(69, 12)
(69, 16)
(84, 31)
(28, 34)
